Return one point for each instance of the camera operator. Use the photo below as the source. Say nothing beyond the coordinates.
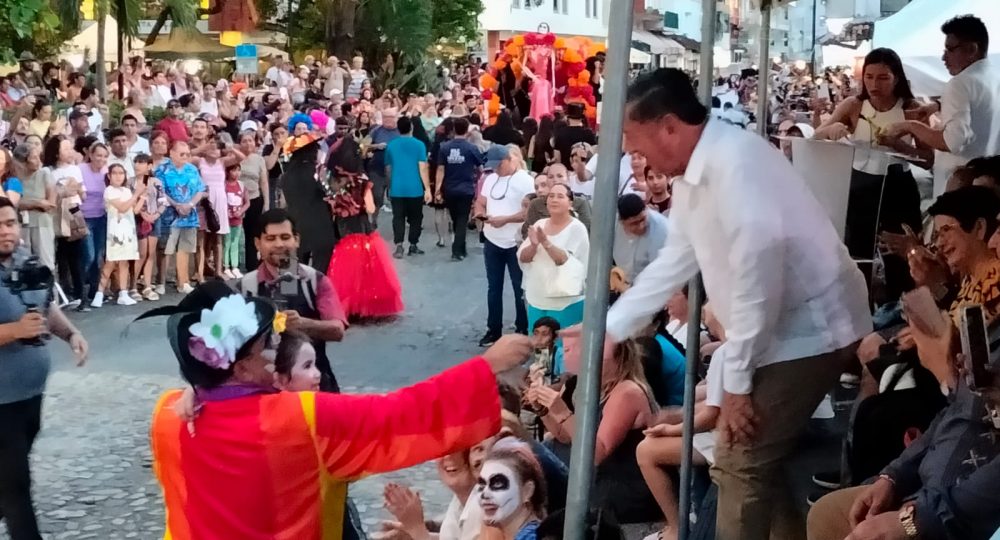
(304, 294)
(24, 367)
(944, 484)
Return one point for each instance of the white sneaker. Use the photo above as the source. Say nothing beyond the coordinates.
(74, 303)
(125, 300)
(237, 274)
(98, 300)
(185, 289)
(160, 289)
(228, 274)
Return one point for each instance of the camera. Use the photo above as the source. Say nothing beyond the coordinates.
(32, 282)
(285, 287)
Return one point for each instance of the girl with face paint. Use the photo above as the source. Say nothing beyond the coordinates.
(511, 490)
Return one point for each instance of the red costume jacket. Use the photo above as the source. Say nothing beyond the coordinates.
(276, 466)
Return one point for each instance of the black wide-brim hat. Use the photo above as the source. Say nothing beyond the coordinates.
(188, 312)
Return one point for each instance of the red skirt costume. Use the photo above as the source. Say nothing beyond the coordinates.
(276, 466)
(361, 268)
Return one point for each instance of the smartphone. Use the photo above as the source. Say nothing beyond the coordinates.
(922, 311)
(975, 347)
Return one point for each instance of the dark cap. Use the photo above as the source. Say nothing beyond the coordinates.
(173, 103)
(77, 113)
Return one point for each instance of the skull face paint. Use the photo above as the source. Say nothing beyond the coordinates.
(499, 493)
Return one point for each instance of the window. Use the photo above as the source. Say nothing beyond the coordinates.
(671, 20)
(515, 4)
(555, 6)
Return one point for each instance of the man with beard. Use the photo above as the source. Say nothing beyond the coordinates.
(306, 294)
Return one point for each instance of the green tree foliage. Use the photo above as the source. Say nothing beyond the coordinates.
(21, 20)
(456, 21)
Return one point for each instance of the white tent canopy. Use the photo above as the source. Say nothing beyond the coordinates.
(86, 41)
(915, 34)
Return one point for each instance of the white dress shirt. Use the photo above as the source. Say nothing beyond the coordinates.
(462, 522)
(779, 279)
(967, 134)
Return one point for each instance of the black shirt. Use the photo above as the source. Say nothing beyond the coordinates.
(567, 136)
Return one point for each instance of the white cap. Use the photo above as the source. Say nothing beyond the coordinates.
(249, 125)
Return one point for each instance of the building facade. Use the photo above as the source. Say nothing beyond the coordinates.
(502, 19)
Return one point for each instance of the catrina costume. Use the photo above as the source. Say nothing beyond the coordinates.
(268, 465)
(361, 269)
(304, 195)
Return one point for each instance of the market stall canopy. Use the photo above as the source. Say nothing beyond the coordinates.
(914, 32)
(183, 43)
(86, 42)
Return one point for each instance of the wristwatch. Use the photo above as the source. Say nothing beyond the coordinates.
(906, 517)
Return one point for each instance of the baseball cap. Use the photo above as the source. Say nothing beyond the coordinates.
(173, 103)
(495, 154)
(76, 113)
(248, 125)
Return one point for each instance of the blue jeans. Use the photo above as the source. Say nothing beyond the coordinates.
(497, 259)
(92, 255)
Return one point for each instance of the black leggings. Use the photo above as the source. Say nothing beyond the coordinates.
(69, 261)
(21, 421)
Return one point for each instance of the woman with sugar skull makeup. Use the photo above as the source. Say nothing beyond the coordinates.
(511, 490)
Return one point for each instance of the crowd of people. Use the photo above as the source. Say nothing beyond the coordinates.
(277, 190)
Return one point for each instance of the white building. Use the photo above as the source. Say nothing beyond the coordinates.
(502, 19)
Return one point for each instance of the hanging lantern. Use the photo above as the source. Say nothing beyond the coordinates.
(231, 38)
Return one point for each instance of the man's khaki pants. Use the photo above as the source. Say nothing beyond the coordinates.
(755, 500)
(830, 518)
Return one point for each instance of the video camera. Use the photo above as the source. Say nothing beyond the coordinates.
(32, 282)
(285, 287)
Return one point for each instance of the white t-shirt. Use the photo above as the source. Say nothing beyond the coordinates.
(462, 522)
(585, 189)
(210, 107)
(574, 240)
(62, 175)
(625, 179)
(140, 146)
(503, 196)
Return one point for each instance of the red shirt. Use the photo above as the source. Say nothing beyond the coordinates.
(175, 128)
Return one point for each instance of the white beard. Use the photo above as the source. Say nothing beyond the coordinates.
(506, 500)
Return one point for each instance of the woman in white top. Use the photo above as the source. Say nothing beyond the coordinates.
(581, 180)
(554, 259)
(883, 194)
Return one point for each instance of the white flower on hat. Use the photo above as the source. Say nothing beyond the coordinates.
(223, 329)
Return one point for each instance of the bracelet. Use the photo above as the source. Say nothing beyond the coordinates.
(887, 478)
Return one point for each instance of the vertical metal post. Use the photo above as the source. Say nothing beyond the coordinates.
(695, 295)
(764, 64)
(122, 17)
(812, 49)
(602, 232)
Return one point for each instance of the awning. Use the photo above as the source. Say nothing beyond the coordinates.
(635, 56)
(655, 43)
(183, 43)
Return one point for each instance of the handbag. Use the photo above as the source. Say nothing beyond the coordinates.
(211, 218)
(566, 279)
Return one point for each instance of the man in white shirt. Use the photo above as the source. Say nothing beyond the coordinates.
(118, 152)
(136, 144)
(499, 207)
(162, 87)
(970, 106)
(793, 304)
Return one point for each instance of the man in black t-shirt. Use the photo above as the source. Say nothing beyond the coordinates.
(459, 165)
(575, 131)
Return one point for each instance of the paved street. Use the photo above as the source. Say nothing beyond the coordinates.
(91, 461)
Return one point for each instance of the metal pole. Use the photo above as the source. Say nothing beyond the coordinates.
(764, 74)
(602, 232)
(812, 49)
(122, 16)
(695, 295)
